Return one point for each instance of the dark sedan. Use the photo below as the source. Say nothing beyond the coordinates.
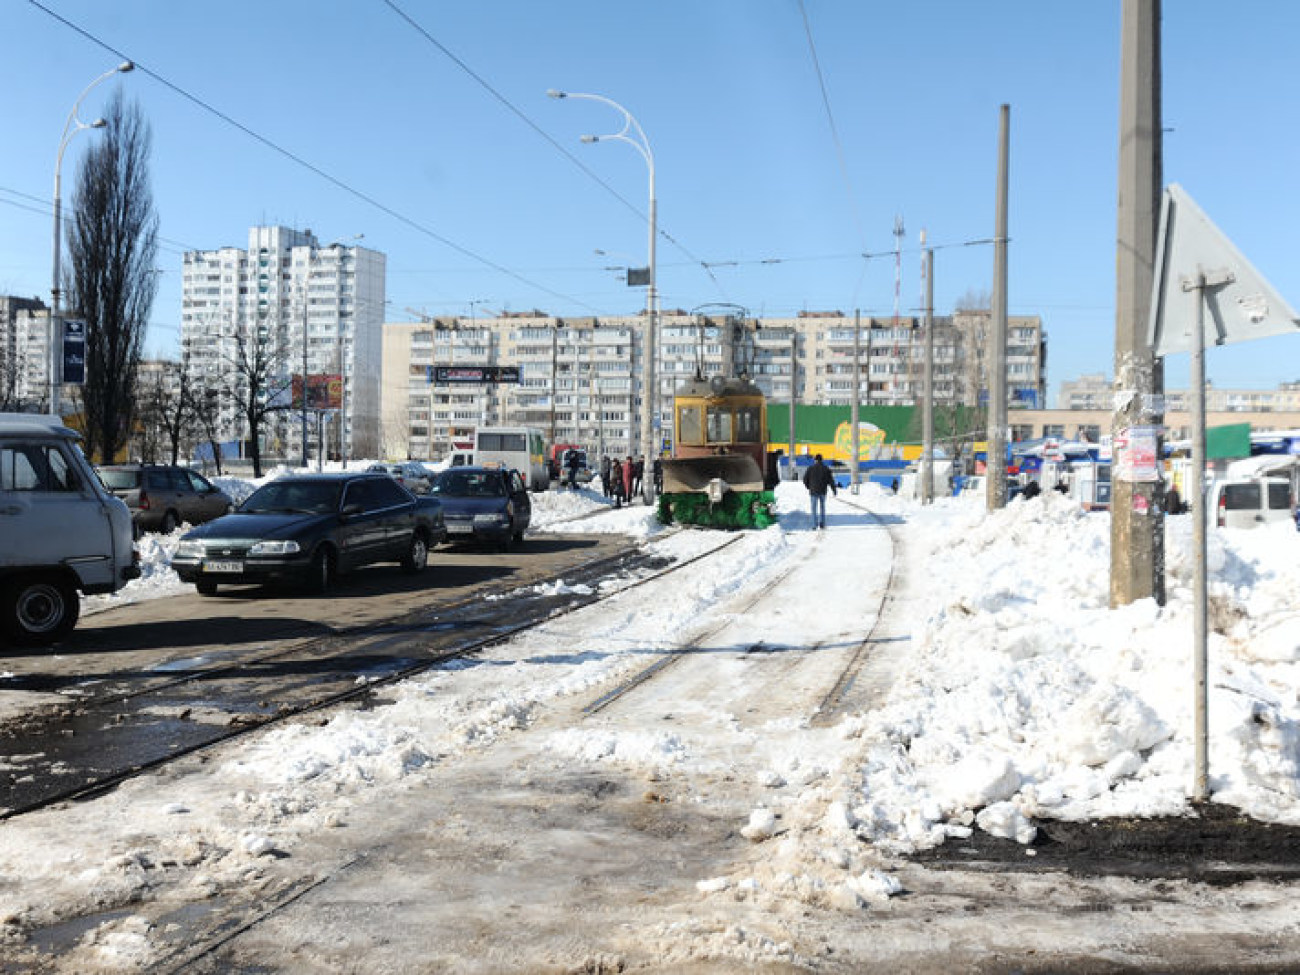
(308, 529)
(483, 504)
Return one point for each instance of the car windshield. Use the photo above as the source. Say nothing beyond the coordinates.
(468, 484)
(296, 496)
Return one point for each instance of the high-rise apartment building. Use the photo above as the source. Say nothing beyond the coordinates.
(24, 354)
(313, 311)
(579, 379)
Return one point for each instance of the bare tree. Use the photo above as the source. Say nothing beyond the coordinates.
(111, 248)
(975, 299)
(257, 381)
(168, 413)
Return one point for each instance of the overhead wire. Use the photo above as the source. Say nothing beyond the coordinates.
(305, 164)
(554, 143)
(44, 207)
(835, 138)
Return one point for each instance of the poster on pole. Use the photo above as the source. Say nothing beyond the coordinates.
(1134, 455)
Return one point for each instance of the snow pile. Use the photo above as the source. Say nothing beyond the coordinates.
(1026, 696)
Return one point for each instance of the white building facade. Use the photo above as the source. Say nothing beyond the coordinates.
(313, 311)
(579, 380)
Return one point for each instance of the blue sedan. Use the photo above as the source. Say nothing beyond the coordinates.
(483, 504)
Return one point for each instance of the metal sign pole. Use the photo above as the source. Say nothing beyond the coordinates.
(1200, 789)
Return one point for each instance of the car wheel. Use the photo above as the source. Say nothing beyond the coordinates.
(417, 554)
(321, 575)
(39, 611)
(206, 587)
(518, 536)
(169, 522)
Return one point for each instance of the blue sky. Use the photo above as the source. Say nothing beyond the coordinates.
(444, 151)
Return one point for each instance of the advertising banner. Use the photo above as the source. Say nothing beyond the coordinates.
(74, 351)
(324, 391)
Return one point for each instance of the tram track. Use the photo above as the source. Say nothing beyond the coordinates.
(836, 700)
(145, 728)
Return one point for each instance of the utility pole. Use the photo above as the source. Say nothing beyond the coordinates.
(853, 419)
(927, 402)
(1136, 528)
(997, 425)
(794, 396)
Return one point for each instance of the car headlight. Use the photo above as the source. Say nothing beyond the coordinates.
(191, 549)
(275, 547)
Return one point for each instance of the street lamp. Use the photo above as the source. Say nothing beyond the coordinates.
(650, 398)
(70, 128)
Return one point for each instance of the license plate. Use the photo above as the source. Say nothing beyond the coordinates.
(223, 566)
(460, 529)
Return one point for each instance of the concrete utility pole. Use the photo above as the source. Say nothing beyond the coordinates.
(794, 398)
(927, 402)
(997, 350)
(853, 417)
(1136, 526)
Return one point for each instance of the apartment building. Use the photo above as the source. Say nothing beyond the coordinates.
(1095, 391)
(581, 379)
(306, 310)
(24, 354)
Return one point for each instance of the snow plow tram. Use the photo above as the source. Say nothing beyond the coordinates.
(720, 475)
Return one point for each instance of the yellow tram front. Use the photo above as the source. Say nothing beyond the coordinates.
(718, 473)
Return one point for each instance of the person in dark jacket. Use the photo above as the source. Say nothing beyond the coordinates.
(573, 462)
(616, 482)
(817, 479)
(605, 486)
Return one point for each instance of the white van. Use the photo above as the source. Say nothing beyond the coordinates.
(520, 448)
(1247, 502)
(61, 531)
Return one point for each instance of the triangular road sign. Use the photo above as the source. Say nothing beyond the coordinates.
(1239, 304)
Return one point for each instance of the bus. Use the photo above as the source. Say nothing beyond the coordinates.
(520, 448)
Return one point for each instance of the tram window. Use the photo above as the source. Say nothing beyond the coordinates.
(747, 425)
(720, 426)
(688, 425)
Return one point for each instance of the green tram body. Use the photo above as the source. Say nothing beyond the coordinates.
(720, 475)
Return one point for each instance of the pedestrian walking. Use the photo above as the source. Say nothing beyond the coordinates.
(817, 479)
(616, 482)
(627, 479)
(604, 476)
(638, 473)
(658, 470)
(573, 461)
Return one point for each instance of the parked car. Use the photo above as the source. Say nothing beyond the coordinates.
(61, 531)
(161, 497)
(413, 476)
(309, 529)
(1250, 502)
(484, 504)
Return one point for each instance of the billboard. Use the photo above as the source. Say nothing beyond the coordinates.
(472, 374)
(324, 391)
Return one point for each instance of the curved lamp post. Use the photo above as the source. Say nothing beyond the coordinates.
(650, 394)
(70, 128)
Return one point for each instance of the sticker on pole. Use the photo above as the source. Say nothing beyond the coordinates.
(1241, 306)
(1134, 455)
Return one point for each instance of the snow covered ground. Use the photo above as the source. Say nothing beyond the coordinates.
(1019, 695)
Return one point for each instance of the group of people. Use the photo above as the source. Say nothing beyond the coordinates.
(621, 480)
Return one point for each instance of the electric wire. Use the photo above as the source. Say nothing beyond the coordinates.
(554, 143)
(45, 208)
(305, 164)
